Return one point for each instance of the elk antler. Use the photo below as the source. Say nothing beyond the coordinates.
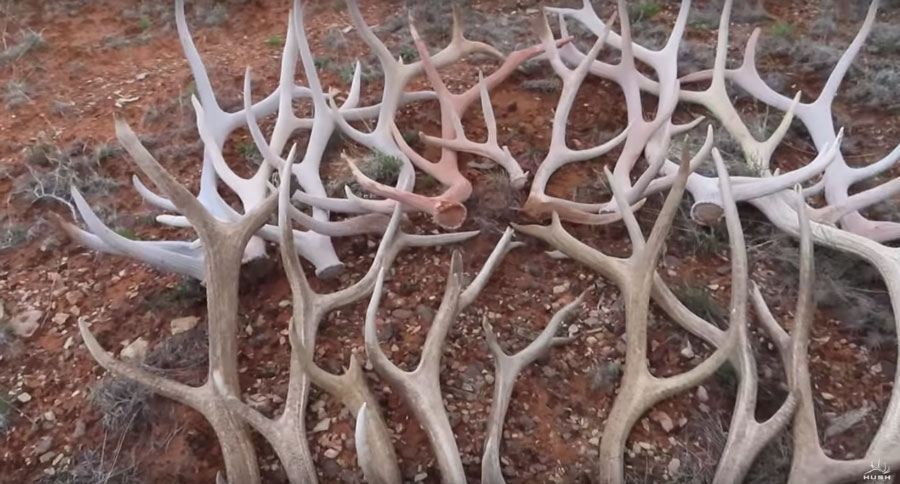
(507, 369)
(287, 433)
(816, 116)
(223, 244)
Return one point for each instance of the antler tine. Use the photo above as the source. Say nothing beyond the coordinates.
(631, 223)
(446, 315)
(421, 387)
(810, 461)
(177, 193)
(636, 277)
(172, 256)
(506, 370)
(490, 148)
(378, 460)
(504, 245)
(746, 436)
(559, 154)
(184, 394)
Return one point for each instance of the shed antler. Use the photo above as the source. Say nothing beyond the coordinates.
(506, 370)
(223, 246)
(635, 276)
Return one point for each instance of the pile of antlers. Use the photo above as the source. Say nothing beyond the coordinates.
(228, 237)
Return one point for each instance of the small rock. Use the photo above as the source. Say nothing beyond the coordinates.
(136, 350)
(26, 323)
(595, 441)
(322, 426)
(60, 318)
(592, 321)
(181, 325)
(489, 379)
(46, 457)
(43, 444)
(80, 429)
(687, 351)
(827, 396)
(425, 313)
(673, 467)
(420, 477)
(846, 421)
(557, 290)
(402, 314)
(701, 394)
(24, 397)
(331, 453)
(663, 419)
(74, 297)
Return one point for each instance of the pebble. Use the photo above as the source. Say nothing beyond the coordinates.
(183, 324)
(663, 419)
(425, 313)
(673, 467)
(136, 350)
(43, 445)
(702, 395)
(420, 477)
(331, 453)
(687, 351)
(402, 314)
(60, 318)
(24, 397)
(80, 429)
(322, 426)
(25, 323)
(489, 379)
(827, 396)
(557, 290)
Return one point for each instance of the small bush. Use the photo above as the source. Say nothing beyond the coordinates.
(10, 237)
(123, 404)
(783, 29)
(702, 303)
(274, 40)
(334, 40)
(5, 412)
(29, 41)
(876, 88)
(126, 404)
(250, 152)
(212, 17)
(16, 93)
(543, 85)
(884, 39)
(824, 26)
(93, 467)
(644, 10)
(54, 170)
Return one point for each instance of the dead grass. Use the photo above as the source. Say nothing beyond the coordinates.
(53, 171)
(16, 93)
(126, 405)
(93, 467)
(29, 41)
